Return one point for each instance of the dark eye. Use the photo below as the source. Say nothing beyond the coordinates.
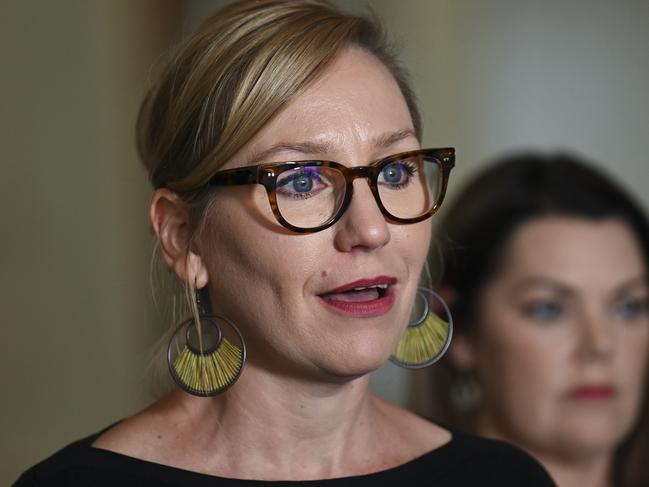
(632, 308)
(544, 310)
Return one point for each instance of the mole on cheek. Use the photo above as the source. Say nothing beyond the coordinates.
(323, 274)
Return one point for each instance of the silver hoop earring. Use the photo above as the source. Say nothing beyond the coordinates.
(425, 339)
(203, 360)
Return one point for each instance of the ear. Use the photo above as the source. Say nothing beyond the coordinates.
(448, 295)
(170, 219)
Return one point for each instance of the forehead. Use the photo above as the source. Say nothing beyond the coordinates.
(579, 252)
(351, 105)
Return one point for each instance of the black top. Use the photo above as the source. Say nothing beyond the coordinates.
(465, 460)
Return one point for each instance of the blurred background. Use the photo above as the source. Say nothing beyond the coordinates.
(78, 320)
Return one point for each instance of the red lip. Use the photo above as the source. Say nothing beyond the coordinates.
(375, 281)
(362, 309)
(592, 393)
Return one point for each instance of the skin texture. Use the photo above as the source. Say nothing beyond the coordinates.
(302, 407)
(283, 273)
(568, 308)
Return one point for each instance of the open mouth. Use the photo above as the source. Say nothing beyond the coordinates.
(363, 298)
(358, 294)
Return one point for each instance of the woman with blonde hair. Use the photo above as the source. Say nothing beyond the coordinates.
(547, 270)
(292, 200)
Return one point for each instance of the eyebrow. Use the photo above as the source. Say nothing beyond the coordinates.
(537, 281)
(619, 290)
(383, 141)
(640, 281)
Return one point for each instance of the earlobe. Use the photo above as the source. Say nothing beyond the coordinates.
(170, 219)
(461, 352)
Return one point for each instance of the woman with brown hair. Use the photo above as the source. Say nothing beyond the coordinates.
(547, 271)
(292, 200)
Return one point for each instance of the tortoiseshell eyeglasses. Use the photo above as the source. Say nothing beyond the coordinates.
(309, 196)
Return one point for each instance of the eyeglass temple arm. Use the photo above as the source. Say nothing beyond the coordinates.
(235, 177)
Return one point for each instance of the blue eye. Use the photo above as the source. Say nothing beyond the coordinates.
(397, 175)
(544, 310)
(632, 308)
(302, 183)
(393, 173)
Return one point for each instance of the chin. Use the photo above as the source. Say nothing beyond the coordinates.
(588, 440)
(352, 364)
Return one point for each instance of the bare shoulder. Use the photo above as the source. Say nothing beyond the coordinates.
(415, 434)
(143, 434)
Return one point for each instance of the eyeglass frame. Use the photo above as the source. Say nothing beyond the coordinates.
(267, 174)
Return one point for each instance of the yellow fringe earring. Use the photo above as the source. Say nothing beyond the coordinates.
(426, 339)
(203, 361)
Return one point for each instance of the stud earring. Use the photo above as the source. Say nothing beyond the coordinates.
(426, 339)
(205, 359)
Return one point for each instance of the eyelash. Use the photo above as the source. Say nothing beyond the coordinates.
(628, 310)
(410, 167)
(533, 309)
(299, 195)
(639, 307)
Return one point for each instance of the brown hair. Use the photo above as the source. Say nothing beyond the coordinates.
(474, 234)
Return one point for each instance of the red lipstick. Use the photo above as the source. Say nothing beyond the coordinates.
(364, 298)
(592, 393)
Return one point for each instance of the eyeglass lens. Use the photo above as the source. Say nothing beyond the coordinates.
(309, 196)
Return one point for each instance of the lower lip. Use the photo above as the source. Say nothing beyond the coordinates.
(363, 309)
(592, 393)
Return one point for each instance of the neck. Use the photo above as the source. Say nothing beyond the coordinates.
(293, 428)
(566, 468)
(595, 472)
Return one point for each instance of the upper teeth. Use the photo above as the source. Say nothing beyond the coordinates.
(380, 286)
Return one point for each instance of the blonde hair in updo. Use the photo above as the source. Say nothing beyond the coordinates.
(228, 79)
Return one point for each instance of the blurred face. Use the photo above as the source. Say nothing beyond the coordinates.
(330, 304)
(562, 346)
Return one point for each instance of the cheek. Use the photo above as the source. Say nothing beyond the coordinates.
(518, 364)
(249, 261)
(234, 265)
(633, 360)
(413, 242)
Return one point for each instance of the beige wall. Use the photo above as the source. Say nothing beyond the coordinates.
(74, 292)
(498, 75)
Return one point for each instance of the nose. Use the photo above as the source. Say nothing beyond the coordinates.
(363, 226)
(597, 339)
